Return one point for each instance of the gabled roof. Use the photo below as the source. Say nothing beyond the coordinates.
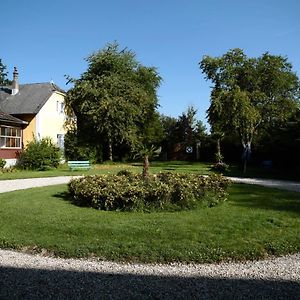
(5, 118)
(29, 100)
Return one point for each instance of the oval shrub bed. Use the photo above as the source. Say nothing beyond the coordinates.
(164, 191)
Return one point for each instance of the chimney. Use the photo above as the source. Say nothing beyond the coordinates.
(15, 82)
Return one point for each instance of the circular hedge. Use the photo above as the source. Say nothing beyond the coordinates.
(164, 191)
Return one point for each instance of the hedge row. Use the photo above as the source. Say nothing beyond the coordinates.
(165, 191)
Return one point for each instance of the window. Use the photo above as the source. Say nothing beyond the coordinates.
(60, 107)
(10, 137)
(60, 141)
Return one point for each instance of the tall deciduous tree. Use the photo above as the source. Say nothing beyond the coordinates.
(250, 93)
(115, 99)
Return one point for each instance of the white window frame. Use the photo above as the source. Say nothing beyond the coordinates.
(60, 138)
(60, 107)
(16, 137)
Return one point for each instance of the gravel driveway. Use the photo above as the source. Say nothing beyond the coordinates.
(24, 276)
(20, 184)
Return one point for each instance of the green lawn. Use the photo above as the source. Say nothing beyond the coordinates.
(63, 170)
(261, 172)
(253, 223)
(157, 166)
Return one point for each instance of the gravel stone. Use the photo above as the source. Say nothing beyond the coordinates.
(25, 276)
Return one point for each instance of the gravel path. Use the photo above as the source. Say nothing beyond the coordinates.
(20, 184)
(272, 183)
(24, 276)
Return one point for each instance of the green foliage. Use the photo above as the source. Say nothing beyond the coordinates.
(220, 167)
(2, 163)
(146, 152)
(219, 157)
(253, 223)
(185, 130)
(125, 173)
(4, 169)
(74, 149)
(189, 129)
(250, 93)
(166, 191)
(3, 74)
(40, 155)
(115, 99)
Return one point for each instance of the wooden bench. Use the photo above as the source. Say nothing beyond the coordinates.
(79, 165)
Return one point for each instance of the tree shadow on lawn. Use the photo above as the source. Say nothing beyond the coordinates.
(265, 198)
(63, 196)
(20, 283)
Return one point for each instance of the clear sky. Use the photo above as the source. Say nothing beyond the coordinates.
(48, 39)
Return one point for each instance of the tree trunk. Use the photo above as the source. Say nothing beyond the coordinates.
(146, 166)
(110, 152)
(218, 153)
(246, 155)
(245, 166)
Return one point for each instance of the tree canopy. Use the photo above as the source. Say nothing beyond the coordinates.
(184, 131)
(3, 74)
(250, 93)
(115, 100)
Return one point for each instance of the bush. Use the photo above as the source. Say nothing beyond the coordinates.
(39, 155)
(166, 191)
(2, 163)
(125, 173)
(220, 167)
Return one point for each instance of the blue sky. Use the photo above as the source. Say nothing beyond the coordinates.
(48, 39)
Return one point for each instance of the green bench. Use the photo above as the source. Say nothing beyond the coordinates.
(79, 165)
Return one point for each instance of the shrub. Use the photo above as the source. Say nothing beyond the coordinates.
(39, 155)
(125, 173)
(166, 191)
(220, 167)
(2, 163)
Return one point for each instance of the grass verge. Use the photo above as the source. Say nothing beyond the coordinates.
(63, 170)
(254, 223)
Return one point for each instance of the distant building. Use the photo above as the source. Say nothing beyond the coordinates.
(28, 111)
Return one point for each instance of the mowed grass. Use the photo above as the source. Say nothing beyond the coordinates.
(155, 167)
(63, 170)
(255, 222)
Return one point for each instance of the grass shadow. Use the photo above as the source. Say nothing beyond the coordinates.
(251, 196)
(261, 172)
(65, 195)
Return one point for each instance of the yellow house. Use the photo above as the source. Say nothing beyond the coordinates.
(40, 105)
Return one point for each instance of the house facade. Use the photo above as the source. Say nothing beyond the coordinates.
(11, 136)
(37, 110)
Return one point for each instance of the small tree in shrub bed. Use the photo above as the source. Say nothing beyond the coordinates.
(165, 191)
(39, 155)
